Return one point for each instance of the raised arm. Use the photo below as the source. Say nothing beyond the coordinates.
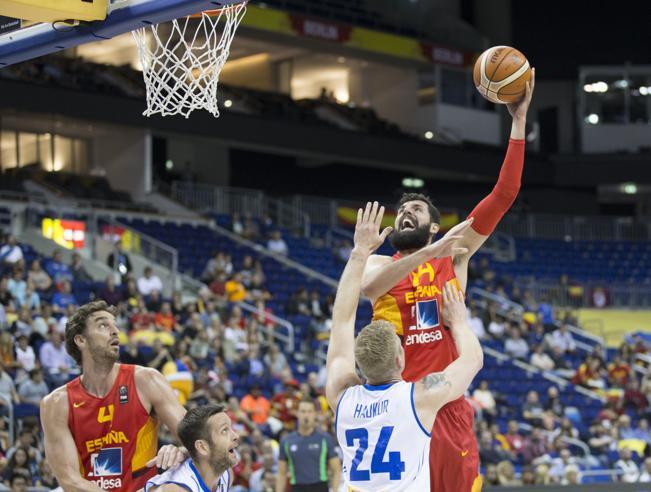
(157, 392)
(381, 274)
(437, 389)
(340, 362)
(60, 448)
(491, 209)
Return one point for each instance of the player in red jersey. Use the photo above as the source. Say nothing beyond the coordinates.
(101, 429)
(406, 290)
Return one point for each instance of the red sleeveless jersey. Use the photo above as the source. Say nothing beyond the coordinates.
(413, 306)
(115, 435)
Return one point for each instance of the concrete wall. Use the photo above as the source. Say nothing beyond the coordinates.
(124, 155)
(614, 138)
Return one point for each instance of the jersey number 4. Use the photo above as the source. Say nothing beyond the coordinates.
(394, 466)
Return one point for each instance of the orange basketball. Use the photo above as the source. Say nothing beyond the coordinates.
(501, 74)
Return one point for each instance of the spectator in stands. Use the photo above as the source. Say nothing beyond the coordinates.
(149, 282)
(219, 263)
(485, 399)
(265, 474)
(476, 323)
(57, 269)
(276, 361)
(546, 313)
(562, 339)
(39, 277)
(299, 303)
(542, 475)
(628, 467)
(534, 446)
(497, 324)
(619, 372)
(277, 244)
(236, 224)
(554, 403)
(119, 261)
(541, 360)
(34, 389)
(572, 476)
(514, 438)
(557, 470)
(235, 290)
(601, 440)
(64, 298)
(5, 296)
(246, 271)
(154, 301)
(285, 403)
(645, 476)
(600, 297)
(110, 293)
(490, 451)
(7, 390)
(79, 273)
(18, 286)
(256, 406)
(532, 410)
(32, 299)
(251, 230)
(491, 478)
(537, 335)
(589, 375)
(10, 253)
(25, 357)
(506, 474)
(561, 365)
(17, 472)
(633, 398)
(516, 346)
(55, 360)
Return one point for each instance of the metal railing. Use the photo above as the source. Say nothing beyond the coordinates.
(151, 248)
(575, 228)
(581, 295)
(210, 199)
(288, 339)
(514, 311)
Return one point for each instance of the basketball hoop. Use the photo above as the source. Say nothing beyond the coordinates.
(181, 66)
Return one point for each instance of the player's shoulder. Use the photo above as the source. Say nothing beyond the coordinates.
(144, 376)
(375, 261)
(56, 403)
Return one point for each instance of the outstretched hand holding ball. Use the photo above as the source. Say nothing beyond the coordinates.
(501, 75)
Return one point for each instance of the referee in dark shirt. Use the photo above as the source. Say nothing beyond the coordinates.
(307, 455)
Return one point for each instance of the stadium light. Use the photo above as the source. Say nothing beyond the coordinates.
(169, 164)
(592, 118)
(629, 188)
(228, 103)
(644, 90)
(597, 87)
(413, 183)
(429, 135)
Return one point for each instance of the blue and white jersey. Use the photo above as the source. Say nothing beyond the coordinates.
(186, 475)
(385, 447)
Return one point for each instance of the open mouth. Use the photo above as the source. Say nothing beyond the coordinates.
(408, 224)
(115, 343)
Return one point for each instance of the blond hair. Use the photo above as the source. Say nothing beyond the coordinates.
(376, 351)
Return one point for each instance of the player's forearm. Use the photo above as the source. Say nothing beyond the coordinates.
(348, 291)
(518, 128)
(470, 361)
(383, 279)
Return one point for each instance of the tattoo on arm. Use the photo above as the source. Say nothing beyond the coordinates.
(435, 380)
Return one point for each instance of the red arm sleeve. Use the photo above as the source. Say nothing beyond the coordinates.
(491, 209)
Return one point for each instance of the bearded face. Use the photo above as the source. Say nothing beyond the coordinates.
(410, 236)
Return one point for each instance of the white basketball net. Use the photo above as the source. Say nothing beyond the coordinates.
(182, 62)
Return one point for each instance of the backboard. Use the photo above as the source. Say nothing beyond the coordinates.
(124, 15)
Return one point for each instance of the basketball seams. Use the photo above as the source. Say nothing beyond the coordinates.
(490, 88)
(513, 77)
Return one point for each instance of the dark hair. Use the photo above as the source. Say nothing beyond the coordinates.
(193, 426)
(434, 214)
(77, 324)
(20, 474)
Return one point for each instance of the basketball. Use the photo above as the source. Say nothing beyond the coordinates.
(501, 74)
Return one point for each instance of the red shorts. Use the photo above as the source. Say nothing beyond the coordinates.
(453, 454)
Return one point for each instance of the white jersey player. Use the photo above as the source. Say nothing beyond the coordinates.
(207, 434)
(383, 426)
(187, 475)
